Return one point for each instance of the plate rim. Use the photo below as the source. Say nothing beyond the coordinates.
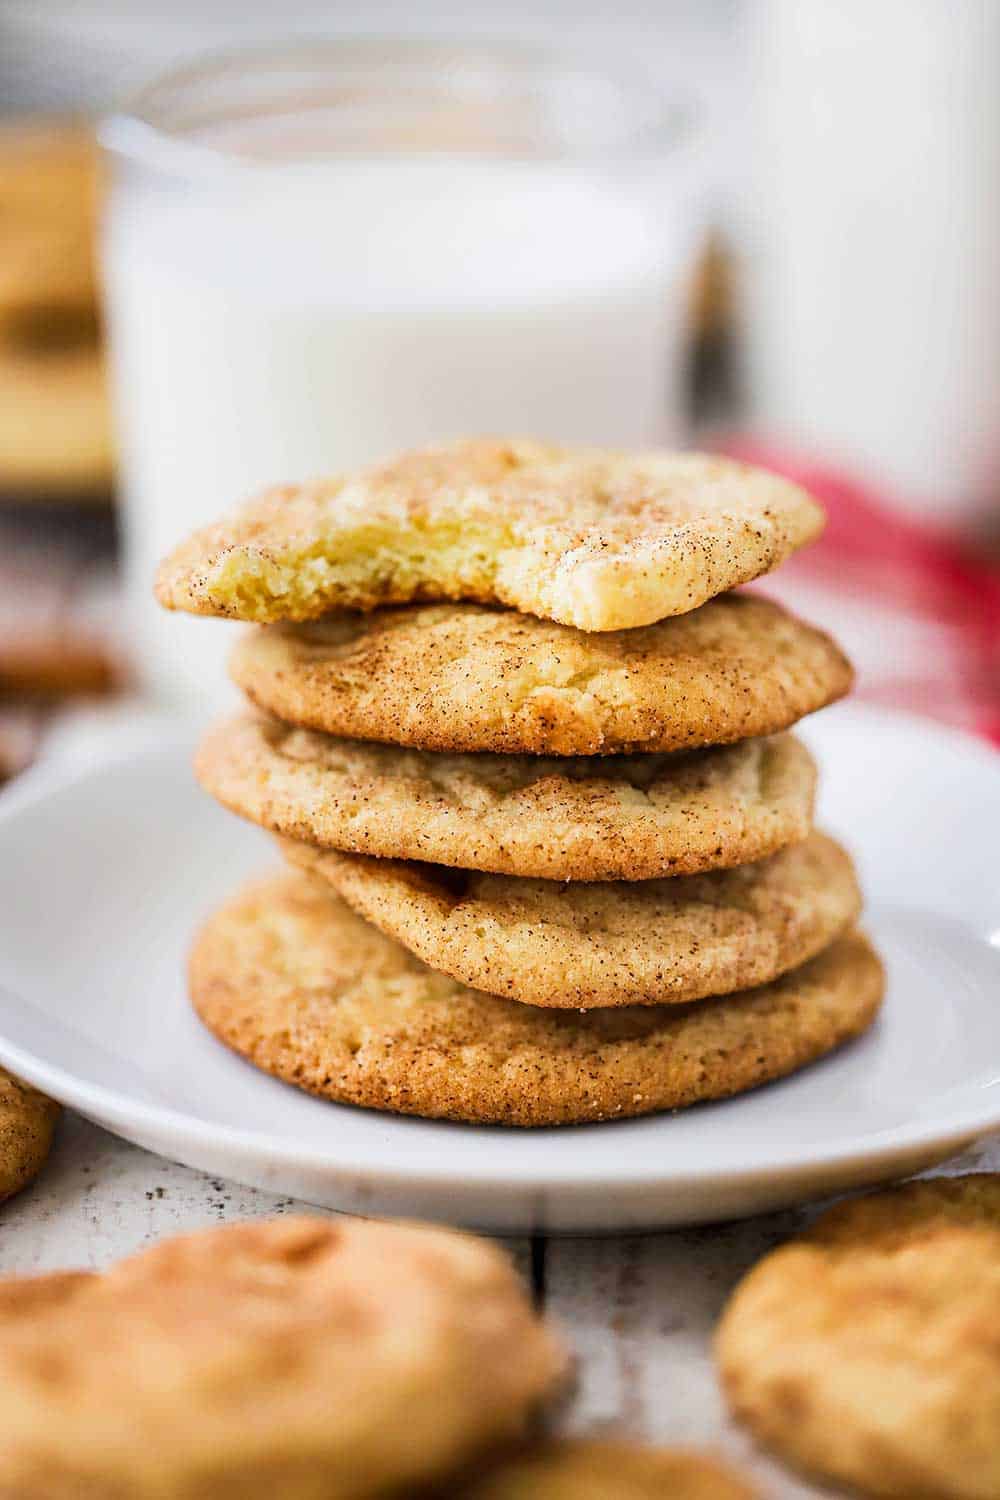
(185, 1131)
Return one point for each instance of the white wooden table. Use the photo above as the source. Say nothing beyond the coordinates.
(639, 1311)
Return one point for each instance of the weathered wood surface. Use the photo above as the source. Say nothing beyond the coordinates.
(639, 1311)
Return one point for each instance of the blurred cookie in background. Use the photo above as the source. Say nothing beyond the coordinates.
(20, 734)
(714, 392)
(55, 441)
(57, 606)
(48, 209)
(56, 562)
(602, 1468)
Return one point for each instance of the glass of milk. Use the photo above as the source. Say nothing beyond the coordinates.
(872, 232)
(317, 256)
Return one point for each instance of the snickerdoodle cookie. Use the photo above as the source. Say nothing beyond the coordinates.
(467, 677)
(302, 1357)
(583, 945)
(55, 426)
(572, 818)
(594, 538)
(604, 1469)
(296, 982)
(868, 1351)
(27, 1122)
(49, 193)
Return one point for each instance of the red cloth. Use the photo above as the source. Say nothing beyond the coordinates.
(917, 610)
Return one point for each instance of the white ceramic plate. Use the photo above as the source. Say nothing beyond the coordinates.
(105, 873)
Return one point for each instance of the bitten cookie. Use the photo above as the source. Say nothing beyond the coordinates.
(647, 942)
(302, 1358)
(608, 1470)
(461, 677)
(27, 1123)
(601, 818)
(292, 979)
(590, 537)
(868, 1351)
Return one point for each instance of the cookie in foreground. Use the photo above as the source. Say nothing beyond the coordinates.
(568, 818)
(301, 1358)
(608, 1469)
(594, 538)
(289, 977)
(27, 1124)
(583, 945)
(867, 1352)
(466, 677)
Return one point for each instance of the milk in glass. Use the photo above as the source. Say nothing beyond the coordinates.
(275, 320)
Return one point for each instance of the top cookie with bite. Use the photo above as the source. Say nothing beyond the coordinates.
(589, 537)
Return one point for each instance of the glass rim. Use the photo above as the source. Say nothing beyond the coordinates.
(661, 120)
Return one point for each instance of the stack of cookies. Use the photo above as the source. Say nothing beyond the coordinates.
(551, 844)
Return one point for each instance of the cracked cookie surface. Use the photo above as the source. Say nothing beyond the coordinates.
(867, 1351)
(594, 538)
(578, 946)
(569, 818)
(27, 1123)
(300, 1357)
(293, 980)
(466, 677)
